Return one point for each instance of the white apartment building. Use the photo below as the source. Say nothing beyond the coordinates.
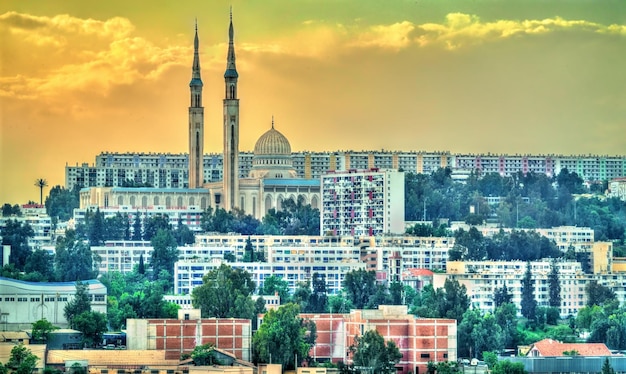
(35, 216)
(362, 203)
(483, 278)
(617, 188)
(186, 303)
(188, 274)
(191, 216)
(122, 255)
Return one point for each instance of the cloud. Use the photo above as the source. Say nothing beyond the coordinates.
(74, 54)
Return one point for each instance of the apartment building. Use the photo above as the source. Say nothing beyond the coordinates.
(362, 203)
(35, 216)
(483, 278)
(178, 336)
(617, 188)
(420, 340)
(188, 273)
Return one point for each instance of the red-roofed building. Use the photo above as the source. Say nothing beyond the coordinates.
(417, 278)
(552, 348)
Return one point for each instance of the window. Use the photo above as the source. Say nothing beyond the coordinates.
(425, 355)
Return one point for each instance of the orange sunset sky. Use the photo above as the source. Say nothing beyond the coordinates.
(517, 76)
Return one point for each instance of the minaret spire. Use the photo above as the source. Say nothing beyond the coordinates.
(231, 68)
(272, 121)
(231, 198)
(196, 120)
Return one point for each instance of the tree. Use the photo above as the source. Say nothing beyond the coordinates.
(502, 295)
(225, 293)
(360, 287)
(606, 367)
(22, 360)
(508, 367)
(598, 294)
(318, 299)
(79, 304)
(141, 268)
(282, 337)
(16, 234)
(164, 254)
(92, 324)
(204, 355)
(41, 183)
(275, 284)
(42, 262)
(249, 255)
(370, 351)
(96, 228)
(61, 203)
(41, 330)
(137, 232)
(153, 224)
(74, 259)
(529, 303)
(554, 286)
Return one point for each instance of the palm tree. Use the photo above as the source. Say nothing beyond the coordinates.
(41, 183)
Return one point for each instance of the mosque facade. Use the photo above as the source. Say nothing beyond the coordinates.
(271, 181)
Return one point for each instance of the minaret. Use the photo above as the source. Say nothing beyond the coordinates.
(196, 121)
(231, 127)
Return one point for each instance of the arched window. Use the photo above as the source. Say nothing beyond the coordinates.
(192, 201)
(132, 201)
(120, 200)
(232, 91)
(168, 202)
(156, 200)
(314, 202)
(203, 203)
(179, 202)
(144, 201)
(268, 203)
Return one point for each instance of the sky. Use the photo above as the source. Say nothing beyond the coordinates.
(78, 78)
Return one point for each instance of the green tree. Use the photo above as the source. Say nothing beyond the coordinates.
(164, 254)
(370, 351)
(41, 184)
(92, 325)
(598, 294)
(529, 303)
(204, 355)
(137, 231)
(506, 318)
(74, 259)
(318, 299)
(22, 360)
(606, 367)
(96, 229)
(41, 330)
(360, 287)
(508, 367)
(42, 262)
(275, 284)
(339, 304)
(282, 337)
(60, 203)
(153, 224)
(554, 286)
(225, 293)
(16, 234)
(79, 304)
(249, 255)
(502, 295)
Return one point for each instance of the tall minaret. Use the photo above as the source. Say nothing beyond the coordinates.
(231, 127)
(196, 122)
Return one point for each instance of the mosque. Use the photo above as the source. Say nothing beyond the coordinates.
(272, 178)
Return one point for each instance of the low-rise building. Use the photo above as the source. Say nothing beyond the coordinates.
(420, 340)
(26, 302)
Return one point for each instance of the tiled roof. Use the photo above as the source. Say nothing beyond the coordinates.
(419, 272)
(551, 348)
(103, 357)
(36, 349)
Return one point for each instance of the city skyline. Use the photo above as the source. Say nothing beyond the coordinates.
(527, 77)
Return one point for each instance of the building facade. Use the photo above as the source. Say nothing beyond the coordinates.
(420, 340)
(362, 203)
(26, 302)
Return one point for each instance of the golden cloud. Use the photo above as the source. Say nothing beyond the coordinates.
(79, 54)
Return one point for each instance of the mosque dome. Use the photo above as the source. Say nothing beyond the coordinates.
(272, 143)
(272, 156)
